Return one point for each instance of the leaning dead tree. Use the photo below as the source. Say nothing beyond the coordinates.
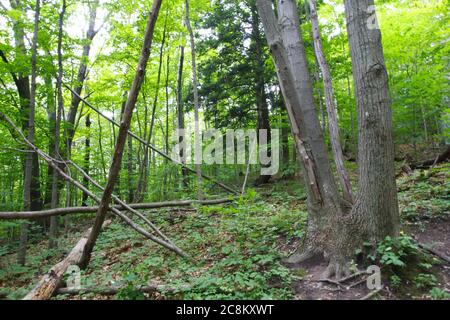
(122, 136)
(55, 164)
(50, 281)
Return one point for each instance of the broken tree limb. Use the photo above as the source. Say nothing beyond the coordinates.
(443, 157)
(51, 280)
(161, 153)
(435, 252)
(108, 291)
(123, 204)
(86, 210)
(55, 164)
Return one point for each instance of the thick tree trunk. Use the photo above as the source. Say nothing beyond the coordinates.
(288, 52)
(336, 229)
(331, 107)
(118, 152)
(375, 213)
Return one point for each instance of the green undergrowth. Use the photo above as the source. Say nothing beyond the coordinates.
(409, 271)
(235, 251)
(424, 194)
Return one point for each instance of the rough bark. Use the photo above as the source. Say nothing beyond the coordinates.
(120, 144)
(375, 213)
(197, 146)
(288, 52)
(331, 106)
(335, 228)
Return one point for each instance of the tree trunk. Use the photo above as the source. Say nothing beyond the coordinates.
(198, 146)
(375, 213)
(87, 157)
(55, 182)
(141, 189)
(180, 113)
(118, 152)
(31, 133)
(288, 52)
(260, 94)
(82, 70)
(331, 107)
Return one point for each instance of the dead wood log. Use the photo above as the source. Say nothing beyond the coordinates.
(51, 280)
(114, 290)
(86, 210)
(443, 157)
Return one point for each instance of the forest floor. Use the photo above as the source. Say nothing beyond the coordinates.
(238, 250)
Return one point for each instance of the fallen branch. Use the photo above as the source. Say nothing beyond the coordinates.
(53, 163)
(161, 153)
(443, 157)
(371, 294)
(435, 252)
(114, 290)
(52, 279)
(13, 215)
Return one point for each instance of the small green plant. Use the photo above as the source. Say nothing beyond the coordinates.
(425, 280)
(439, 294)
(395, 281)
(395, 251)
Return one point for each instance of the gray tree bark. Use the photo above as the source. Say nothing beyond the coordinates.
(335, 228)
(331, 106)
(55, 185)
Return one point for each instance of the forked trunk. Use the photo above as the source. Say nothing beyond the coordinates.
(335, 229)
